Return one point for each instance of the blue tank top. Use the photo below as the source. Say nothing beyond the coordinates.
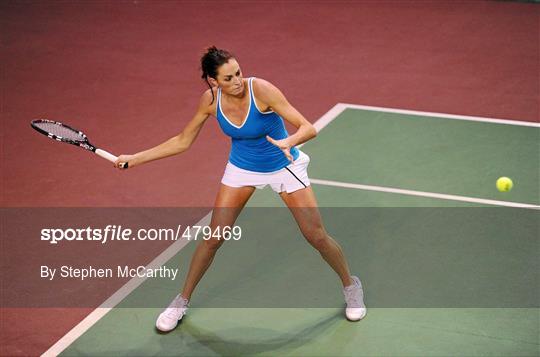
(250, 150)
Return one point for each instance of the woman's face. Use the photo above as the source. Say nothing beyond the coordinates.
(229, 78)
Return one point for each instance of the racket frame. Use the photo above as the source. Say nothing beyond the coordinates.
(84, 143)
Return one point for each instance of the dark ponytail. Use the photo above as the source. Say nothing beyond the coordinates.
(212, 59)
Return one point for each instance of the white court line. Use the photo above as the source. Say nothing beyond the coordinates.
(329, 116)
(438, 115)
(166, 255)
(423, 194)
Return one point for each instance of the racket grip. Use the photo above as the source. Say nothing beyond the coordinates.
(108, 156)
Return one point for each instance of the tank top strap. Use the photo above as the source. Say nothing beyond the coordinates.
(218, 95)
(251, 95)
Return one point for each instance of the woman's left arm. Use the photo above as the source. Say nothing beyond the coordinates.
(272, 96)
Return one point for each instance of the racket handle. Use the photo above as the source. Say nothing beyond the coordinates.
(108, 156)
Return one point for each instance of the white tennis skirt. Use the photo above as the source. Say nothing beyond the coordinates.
(290, 178)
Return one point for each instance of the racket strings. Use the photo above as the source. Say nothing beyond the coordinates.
(61, 131)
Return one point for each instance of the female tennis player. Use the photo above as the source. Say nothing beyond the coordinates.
(251, 112)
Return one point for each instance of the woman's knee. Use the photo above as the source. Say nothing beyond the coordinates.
(212, 236)
(317, 237)
(212, 244)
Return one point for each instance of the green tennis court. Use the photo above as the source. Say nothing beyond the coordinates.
(449, 264)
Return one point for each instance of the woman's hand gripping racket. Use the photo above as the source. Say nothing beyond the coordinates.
(66, 134)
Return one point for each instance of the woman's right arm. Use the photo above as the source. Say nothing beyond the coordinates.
(176, 144)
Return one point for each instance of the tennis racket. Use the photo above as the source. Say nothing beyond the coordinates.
(66, 134)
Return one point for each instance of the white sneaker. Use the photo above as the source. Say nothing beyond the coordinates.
(354, 297)
(169, 318)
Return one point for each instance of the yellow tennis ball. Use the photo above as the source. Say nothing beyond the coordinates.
(504, 184)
